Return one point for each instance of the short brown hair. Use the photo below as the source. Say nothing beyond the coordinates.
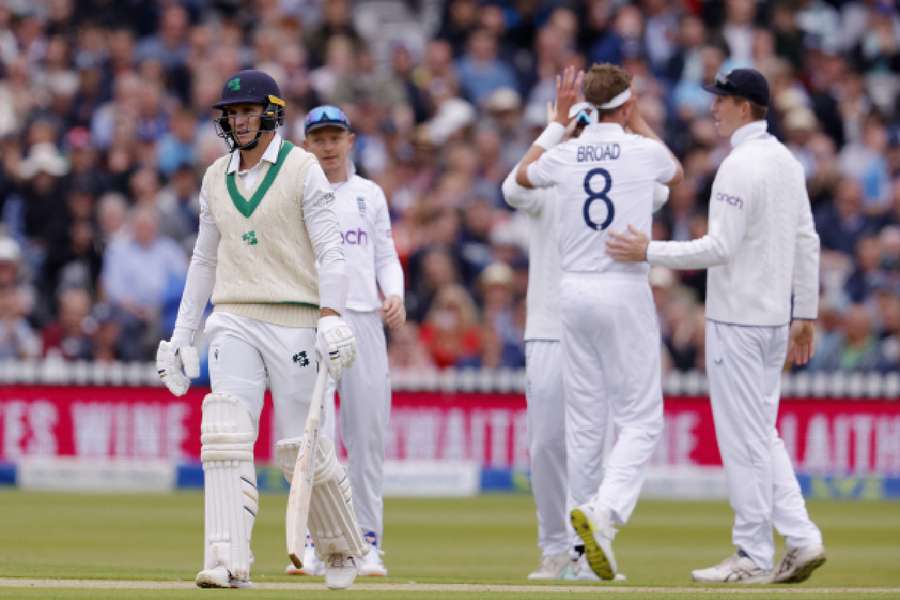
(758, 111)
(603, 83)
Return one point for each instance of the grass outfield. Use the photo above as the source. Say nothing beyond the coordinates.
(484, 540)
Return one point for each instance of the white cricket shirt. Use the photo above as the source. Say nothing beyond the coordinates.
(762, 246)
(542, 320)
(604, 179)
(372, 260)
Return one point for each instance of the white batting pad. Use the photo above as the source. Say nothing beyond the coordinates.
(231, 497)
(332, 520)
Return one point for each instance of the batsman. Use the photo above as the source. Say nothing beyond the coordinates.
(269, 256)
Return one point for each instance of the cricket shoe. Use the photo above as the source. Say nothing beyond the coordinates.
(580, 570)
(553, 566)
(737, 568)
(372, 564)
(596, 532)
(219, 577)
(799, 563)
(340, 571)
(312, 564)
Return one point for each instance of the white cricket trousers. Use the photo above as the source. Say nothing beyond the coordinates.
(246, 354)
(545, 415)
(365, 390)
(611, 366)
(744, 369)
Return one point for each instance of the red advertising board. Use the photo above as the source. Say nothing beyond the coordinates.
(835, 436)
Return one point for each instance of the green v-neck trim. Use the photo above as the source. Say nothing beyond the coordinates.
(244, 206)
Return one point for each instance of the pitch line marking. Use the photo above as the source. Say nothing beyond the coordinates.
(11, 582)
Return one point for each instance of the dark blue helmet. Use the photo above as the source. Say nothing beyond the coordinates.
(250, 87)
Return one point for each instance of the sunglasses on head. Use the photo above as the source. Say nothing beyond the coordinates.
(322, 115)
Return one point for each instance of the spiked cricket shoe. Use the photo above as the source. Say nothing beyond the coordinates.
(737, 568)
(596, 532)
(579, 570)
(372, 564)
(552, 566)
(799, 563)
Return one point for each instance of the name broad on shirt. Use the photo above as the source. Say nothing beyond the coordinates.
(598, 152)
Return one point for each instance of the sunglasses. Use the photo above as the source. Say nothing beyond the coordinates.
(326, 115)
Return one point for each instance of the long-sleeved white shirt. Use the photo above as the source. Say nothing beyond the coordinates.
(320, 220)
(542, 319)
(372, 261)
(762, 247)
(603, 178)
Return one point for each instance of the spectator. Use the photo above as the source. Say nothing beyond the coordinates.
(867, 275)
(406, 351)
(17, 339)
(450, 331)
(142, 272)
(69, 337)
(480, 71)
(858, 349)
(840, 226)
(42, 198)
(500, 316)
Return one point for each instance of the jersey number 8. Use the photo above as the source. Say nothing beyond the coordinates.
(601, 195)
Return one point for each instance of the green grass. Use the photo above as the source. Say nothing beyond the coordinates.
(486, 540)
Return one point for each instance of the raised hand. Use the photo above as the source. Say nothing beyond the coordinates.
(568, 91)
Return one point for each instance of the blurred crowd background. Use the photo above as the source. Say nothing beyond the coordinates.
(106, 130)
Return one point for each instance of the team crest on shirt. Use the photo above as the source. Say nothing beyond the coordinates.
(361, 205)
(249, 238)
(301, 358)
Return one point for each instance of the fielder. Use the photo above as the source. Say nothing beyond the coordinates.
(762, 252)
(548, 442)
(267, 218)
(610, 336)
(372, 266)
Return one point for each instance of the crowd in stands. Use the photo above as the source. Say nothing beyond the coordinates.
(106, 129)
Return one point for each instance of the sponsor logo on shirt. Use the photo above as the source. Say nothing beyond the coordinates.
(355, 237)
(730, 200)
(594, 153)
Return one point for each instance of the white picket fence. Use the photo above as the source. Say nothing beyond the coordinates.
(814, 385)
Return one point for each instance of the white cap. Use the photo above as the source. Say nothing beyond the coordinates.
(498, 273)
(453, 115)
(44, 157)
(9, 249)
(503, 99)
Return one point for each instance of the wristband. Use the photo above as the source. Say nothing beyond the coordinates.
(551, 136)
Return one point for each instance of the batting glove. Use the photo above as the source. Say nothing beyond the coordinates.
(335, 344)
(177, 365)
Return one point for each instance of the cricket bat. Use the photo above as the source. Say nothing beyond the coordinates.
(297, 515)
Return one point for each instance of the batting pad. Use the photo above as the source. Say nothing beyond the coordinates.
(230, 495)
(332, 521)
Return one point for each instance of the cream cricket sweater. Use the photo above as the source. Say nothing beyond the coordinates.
(266, 263)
